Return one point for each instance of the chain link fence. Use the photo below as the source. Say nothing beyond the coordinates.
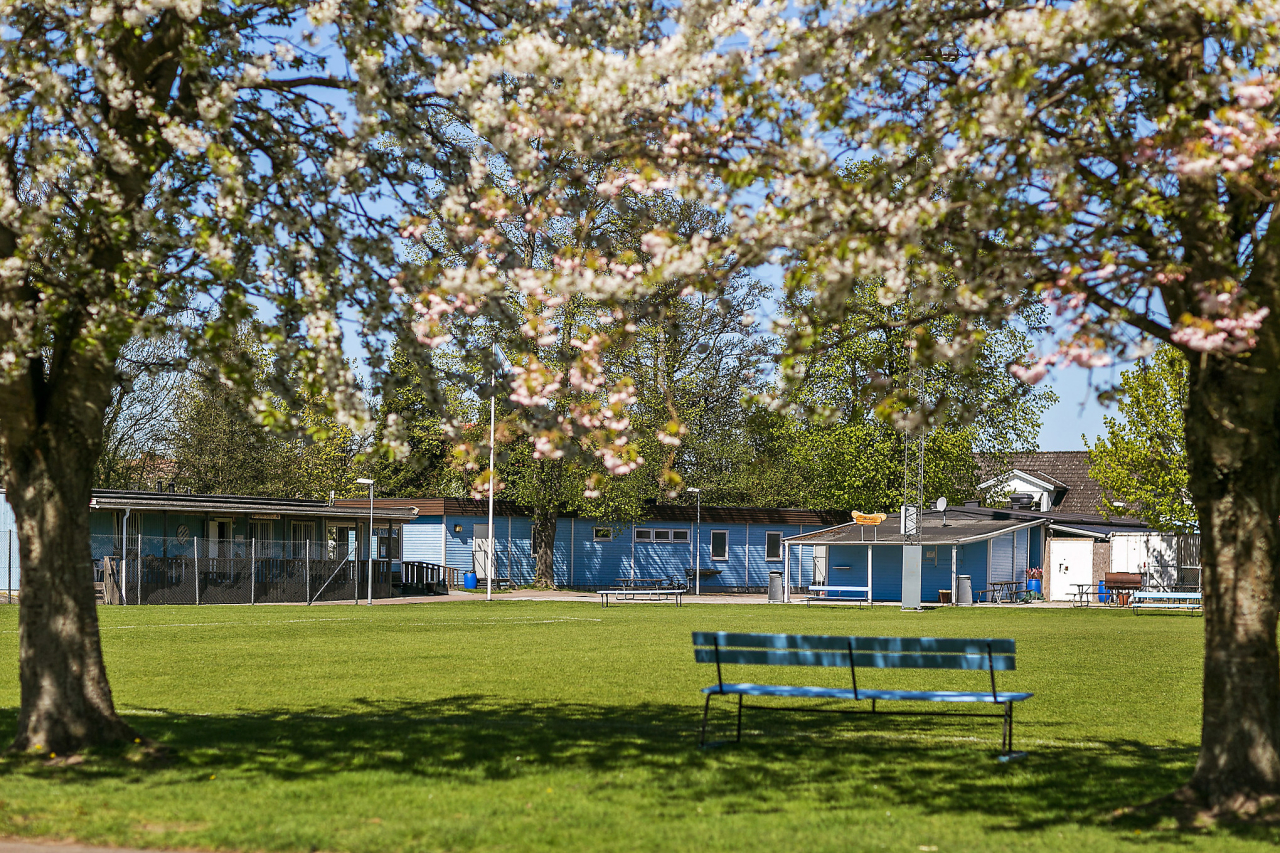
(165, 570)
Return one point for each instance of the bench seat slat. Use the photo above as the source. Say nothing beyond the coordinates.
(818, 642)
(874, 660)
(794, 692)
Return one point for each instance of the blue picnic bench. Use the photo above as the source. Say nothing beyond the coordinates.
(1156, 600)
(725, 648)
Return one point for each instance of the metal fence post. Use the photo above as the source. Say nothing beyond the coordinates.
(9, 598)
(196, 540)
(308, 572)
(253, 568)
(139, 567)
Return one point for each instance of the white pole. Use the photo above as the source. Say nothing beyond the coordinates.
(196, 551)
(253, 569)
(493, 410)
(786, 573)
(124, 556)
(371, 544)
(697, 558)
(869, 598)
(953, 576)
(139, 565)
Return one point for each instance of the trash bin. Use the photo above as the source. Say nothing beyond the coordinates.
(964, 589)
(469, 580)
(1103, 598)
(776, 592)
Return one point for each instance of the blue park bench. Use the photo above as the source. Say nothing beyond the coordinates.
(724, 648)
(1155, 600)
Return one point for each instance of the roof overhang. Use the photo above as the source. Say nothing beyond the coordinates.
(1076, 531)
(1043, 484)
(928, 537)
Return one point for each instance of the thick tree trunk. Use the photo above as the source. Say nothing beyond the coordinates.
(1233, 449)
(51, 434)
(544, 547)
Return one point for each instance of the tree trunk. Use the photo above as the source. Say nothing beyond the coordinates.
(1233, 451)
(52, 433)
(544, 547)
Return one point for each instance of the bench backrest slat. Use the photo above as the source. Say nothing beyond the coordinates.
(874, 660)
(820, 642)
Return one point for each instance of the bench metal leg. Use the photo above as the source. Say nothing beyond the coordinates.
(706, 707)
(739, 718)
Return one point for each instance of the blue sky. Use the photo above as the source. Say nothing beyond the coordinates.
(1077, 411)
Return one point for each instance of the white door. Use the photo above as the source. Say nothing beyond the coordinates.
(481, 550)
(1070, 562)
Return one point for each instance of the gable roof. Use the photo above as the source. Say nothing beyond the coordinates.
(1068, 470)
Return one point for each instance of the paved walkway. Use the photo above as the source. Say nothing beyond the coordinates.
(9, 845)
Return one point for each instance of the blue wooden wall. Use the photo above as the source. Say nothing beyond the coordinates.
(582, 561)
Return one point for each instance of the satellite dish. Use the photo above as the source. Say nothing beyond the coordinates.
(941, 506)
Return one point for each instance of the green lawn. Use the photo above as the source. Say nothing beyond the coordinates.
(561, 726)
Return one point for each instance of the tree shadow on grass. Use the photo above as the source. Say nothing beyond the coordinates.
(938, 766)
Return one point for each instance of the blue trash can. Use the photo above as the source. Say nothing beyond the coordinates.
(1103, 598)
(1033, 585)
(469, 580)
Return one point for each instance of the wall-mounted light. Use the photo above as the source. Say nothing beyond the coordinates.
(457, 528)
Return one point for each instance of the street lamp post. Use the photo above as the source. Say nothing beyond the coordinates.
(697, 553)
(363, 481)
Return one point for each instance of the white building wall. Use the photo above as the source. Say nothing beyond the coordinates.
(1153, 555)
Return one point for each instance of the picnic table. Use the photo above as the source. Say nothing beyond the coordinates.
(1083, 596)
(1002, 591)
(858, 595)
(654, 593)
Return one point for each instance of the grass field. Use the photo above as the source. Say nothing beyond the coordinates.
(561, 726)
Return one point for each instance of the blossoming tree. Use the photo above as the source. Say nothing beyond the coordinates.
(169, 168)
(1117, 161)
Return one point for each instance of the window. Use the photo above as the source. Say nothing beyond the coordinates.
(719, 544)
(602, 534)
(649, 534)
(773, 546)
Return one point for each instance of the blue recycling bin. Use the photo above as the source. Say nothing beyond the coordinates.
(1103, 597)
(469, 580)
(1033, 585)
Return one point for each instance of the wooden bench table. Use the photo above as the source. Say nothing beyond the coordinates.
(725, 648)
(858, 595)
(1150, 600)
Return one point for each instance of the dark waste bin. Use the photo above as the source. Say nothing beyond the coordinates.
(776, 592)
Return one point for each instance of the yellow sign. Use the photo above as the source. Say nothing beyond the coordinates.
(872, 519)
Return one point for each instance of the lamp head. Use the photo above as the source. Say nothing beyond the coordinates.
(694, 491)
(362, 481)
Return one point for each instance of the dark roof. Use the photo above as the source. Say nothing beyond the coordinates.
(176, 502)
(660, 512)
(960, 527)
(1068, 470)
(1070, 519)
(967, 524)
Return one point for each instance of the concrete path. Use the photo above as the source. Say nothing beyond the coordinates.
(9, 845)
